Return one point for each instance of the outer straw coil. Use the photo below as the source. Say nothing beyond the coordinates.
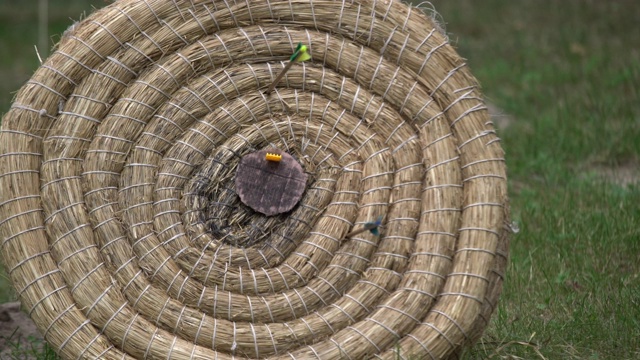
(121, 230)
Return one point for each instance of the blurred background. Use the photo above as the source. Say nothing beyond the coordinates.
(563, 78)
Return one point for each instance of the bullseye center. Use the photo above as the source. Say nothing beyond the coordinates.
(270, 182)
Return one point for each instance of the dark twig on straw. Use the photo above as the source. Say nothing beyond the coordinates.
(300, 54)
(279, 77)
(371, 226)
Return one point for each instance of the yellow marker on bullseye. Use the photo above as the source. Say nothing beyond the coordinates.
(273, 157)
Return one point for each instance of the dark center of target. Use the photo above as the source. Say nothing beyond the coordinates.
(270, 184)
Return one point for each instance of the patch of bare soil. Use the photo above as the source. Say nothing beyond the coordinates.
(17, 331)
(500, 119)
(623, 175)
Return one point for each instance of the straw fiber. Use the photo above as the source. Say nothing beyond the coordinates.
(124, 237)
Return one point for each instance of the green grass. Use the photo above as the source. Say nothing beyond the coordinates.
(31, 348)
(567, 72)
(19, 35)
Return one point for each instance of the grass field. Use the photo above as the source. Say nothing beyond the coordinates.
(566, 73)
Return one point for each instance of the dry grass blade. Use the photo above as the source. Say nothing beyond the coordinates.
(534, 347)
(122, 230)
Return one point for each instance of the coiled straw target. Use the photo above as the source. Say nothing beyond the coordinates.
(120, 226)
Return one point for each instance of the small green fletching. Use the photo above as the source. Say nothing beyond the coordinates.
(300, 54)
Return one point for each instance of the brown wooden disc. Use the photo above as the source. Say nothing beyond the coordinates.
(270, 187)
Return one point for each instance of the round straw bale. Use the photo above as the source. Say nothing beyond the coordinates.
(121, 228)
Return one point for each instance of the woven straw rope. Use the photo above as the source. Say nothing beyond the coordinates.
(123, 235)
